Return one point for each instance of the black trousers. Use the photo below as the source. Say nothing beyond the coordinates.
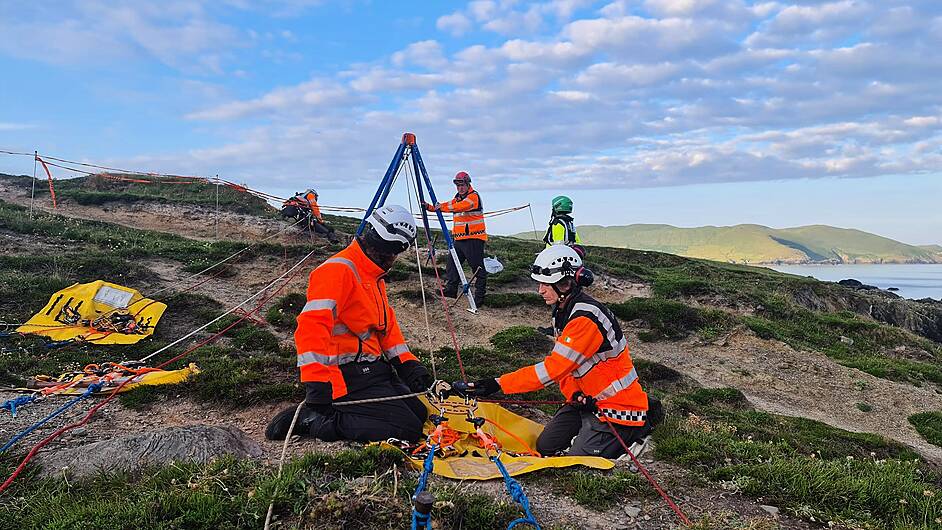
(592, 436)
(470, 251)
(373, 422)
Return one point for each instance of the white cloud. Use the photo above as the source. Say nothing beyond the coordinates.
(456, 24)
(426, 53)
(176, 33)
(10, 126)
(652, 93)
(572, 95)
(313, 96)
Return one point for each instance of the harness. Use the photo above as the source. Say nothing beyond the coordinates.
(569, 237)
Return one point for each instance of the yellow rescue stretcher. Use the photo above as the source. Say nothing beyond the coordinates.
(465, 459)
(99, 312)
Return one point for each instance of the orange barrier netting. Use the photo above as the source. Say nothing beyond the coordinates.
(166, 178)
(52, 191)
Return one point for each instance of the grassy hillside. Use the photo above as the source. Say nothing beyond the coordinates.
(761, 244)
(95, 189)
(714, 437)
(935, 249)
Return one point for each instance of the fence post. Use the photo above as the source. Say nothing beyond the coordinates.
(216, 230)
(32, 194)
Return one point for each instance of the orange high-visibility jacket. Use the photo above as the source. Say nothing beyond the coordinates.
(312, 204)
(346, 322)
(469, 216)
(591, 355)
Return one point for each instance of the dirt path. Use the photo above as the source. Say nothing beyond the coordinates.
(780, 380)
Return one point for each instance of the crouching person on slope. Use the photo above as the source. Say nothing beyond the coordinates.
(350, 346)
(590, 362)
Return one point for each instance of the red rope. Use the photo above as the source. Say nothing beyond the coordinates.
(45, 441)
(648, 476)
(451, 326)
(525, 401)
(526, 446)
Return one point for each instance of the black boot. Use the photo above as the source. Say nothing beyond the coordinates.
(308, 423)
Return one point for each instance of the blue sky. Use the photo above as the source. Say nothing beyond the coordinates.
(687, 112)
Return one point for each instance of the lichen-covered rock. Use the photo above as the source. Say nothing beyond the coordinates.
(195, 443)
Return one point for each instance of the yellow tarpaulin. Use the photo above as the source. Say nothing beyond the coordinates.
(471, 463)
(157, 377)
(99, 312)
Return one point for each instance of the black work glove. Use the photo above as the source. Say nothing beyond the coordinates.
(583, 402)
(479, 388)
(415, 375)
(421, 383)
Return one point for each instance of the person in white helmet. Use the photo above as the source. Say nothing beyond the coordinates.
(350, 346)
(590, 362)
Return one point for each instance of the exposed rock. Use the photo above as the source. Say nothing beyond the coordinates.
(850, 282)
(857, 284)
(847, 340)
(771, 510)
(632, 511)
(922, 317)
(195, 443)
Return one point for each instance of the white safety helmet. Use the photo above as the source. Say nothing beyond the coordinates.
(555, 263)
(394, 229)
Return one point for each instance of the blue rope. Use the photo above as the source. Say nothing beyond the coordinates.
(92, 388)
(515, 490)
(421, 520)
(19, 401)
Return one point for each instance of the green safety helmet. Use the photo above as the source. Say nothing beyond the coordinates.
(562, 204)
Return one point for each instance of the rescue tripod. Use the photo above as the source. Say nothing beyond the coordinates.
(408, 149)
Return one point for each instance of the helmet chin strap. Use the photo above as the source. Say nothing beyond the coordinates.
(573, 289)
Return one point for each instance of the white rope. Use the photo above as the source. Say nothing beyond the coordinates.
(231, 310)
(294, 420)
(418, 264)
(281, 463)
(377, 400)
(224, 260)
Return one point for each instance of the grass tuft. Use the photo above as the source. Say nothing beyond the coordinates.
(929, 425)
(598, 491)
(672, 320)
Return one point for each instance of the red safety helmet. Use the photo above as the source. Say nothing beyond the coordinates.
(462, 177)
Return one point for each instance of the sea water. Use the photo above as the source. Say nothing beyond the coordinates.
(912, 280)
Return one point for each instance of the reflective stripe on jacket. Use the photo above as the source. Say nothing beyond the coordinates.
(468, 216)
(590, 355)
(347, 320)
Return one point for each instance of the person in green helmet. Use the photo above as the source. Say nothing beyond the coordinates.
(562, 229)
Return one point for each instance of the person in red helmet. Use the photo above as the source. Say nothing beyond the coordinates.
(469, 234)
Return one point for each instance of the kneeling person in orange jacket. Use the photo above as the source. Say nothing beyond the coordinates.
(590, 362)
(350, 346)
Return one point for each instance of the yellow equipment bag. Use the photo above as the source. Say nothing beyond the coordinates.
(99, 312)
(469, 460)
